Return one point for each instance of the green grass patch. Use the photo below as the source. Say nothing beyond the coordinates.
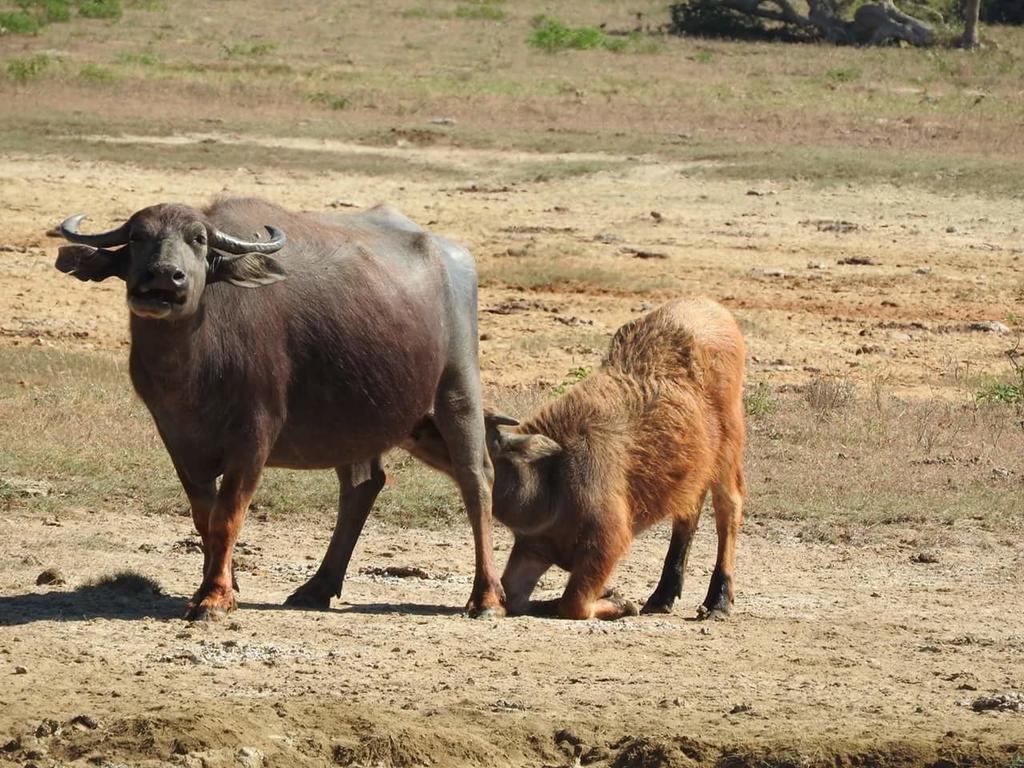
(142, 59)
(256, 48)
(574, 376)
(330, 100)
(97, 74)
(19, 23)
(843, 74)
(480, 12)
(24, 70)
(101, 9)
(552, 36)
(759, 402)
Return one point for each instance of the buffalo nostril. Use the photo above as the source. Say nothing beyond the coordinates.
(178, 277)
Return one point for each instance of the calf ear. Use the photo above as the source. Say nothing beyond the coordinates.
(88, 263)
(495, 418)
(529, 447)
(249, 271)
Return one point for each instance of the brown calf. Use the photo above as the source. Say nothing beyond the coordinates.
(644, 438)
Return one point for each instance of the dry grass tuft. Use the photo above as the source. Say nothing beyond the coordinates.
(127, 584)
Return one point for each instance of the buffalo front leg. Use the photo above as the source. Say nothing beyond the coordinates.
(460, 420)
(216, 595)
(202, 498)
(360, 484)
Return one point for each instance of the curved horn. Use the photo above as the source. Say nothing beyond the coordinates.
(68, 229)
(229, 244)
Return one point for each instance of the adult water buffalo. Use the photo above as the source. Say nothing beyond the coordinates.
(325, 355)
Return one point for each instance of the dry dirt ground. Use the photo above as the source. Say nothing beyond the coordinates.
(837, 654)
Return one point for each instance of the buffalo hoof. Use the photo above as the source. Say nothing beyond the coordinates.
(489, 612)
(211, 608)
(717, 612)
(311, 595)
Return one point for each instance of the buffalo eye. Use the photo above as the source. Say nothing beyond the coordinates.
(200, 239)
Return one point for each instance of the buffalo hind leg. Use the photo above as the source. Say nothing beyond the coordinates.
(670, 586)
(727, 497)
(458, 413)
(216, 595)
(360, 484)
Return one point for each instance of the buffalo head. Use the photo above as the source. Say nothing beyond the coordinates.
(166, 254)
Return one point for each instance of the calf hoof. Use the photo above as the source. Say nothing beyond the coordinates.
(312, 595)
(658, 604)
(624, 606)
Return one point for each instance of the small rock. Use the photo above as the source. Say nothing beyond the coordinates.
(817, 265)
(20, 670)
(442, 121)
(775, 273)
(923, 271)
(249, 757)
(1001, 472)
(1008, 701)
(50, 576)
(950, 230)
(760, 192)
(925, 556)
(47, 728)
(656, 215)
(988, 326)
(739, 709)
(889, 303)
(863, 261)
(83, 723)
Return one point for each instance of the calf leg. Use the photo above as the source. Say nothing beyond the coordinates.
(216, 595)
(360, 484)
(458, 413)
(727, 497)
(522, 572)
(586, 594)
(670, 586)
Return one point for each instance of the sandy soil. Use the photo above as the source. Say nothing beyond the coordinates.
(836, 655)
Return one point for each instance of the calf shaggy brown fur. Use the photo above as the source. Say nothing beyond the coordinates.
(644, 438)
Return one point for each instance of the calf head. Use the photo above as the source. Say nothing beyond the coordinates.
(167, 254)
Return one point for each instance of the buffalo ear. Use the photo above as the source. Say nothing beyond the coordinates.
(249, 271)
(529, 447)
(88, 263)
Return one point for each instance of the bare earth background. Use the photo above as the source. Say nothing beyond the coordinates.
(857, 224)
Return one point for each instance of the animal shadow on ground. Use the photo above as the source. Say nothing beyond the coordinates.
(121, 596)
(412, 609)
